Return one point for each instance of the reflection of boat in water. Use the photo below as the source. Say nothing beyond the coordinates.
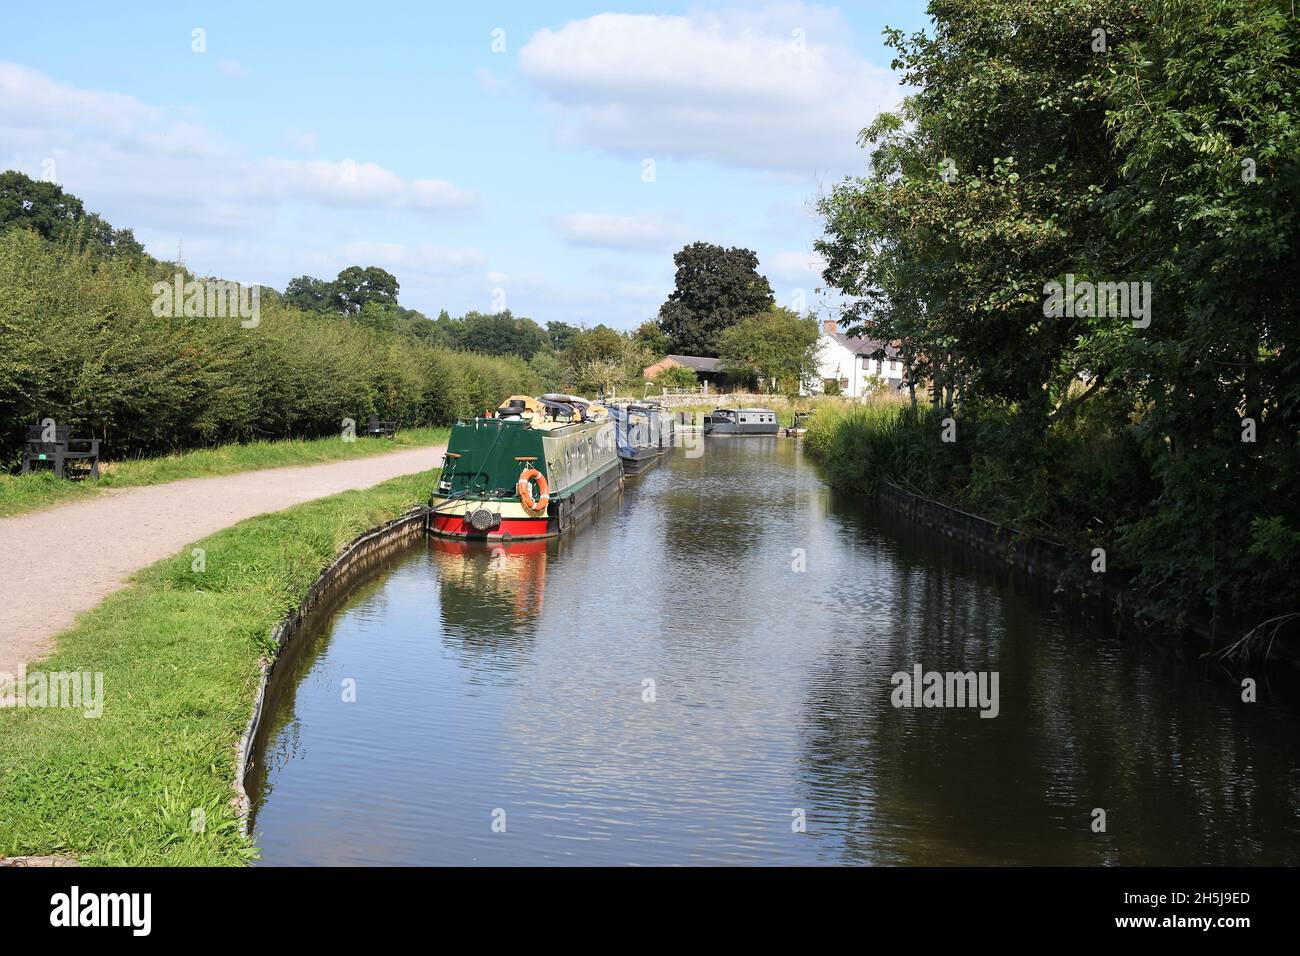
(529, 471)
(642, 430)
(741, 421)
(481, 581)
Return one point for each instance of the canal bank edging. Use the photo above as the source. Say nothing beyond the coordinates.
(1067, 571)
(365, 551)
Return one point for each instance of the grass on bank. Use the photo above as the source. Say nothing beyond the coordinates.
(179, 651)
(19, 493)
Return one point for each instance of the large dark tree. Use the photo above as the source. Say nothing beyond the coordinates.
(308, 294)
(349, 294)
(355, 288)
(715, 289)
(500, 333)
(45, 208)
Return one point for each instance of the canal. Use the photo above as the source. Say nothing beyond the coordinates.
(704, 675)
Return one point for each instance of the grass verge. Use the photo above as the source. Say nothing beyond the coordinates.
(19, 493)
(179, 651)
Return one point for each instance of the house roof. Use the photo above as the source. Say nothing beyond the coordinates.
(697, 363)
(862, 346)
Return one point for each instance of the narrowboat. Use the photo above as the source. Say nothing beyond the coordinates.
(741, 421)
(528, 471)
(641, 431)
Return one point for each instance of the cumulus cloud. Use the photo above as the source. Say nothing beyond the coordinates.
(135, 166)
(361, 184)
(622, 233)
(771, 89)
(428, 260)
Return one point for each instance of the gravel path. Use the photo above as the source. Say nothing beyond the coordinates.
(56, 563)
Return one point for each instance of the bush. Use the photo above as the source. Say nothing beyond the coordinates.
(79, 343)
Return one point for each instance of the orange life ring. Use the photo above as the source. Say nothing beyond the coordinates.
(525, 490)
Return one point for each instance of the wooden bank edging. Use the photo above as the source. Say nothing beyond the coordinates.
(363, 553)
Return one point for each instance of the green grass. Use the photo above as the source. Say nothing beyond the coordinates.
(180, 653)
(19, 493)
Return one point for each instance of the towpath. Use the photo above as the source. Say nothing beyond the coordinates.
(56, 563)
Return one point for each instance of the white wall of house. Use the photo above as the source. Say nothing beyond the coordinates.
(853, 371)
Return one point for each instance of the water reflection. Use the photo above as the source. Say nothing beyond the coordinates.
(667, 686)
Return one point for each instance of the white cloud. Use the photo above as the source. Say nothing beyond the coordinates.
(137, 168)
(352, 183)
(768, 89)
(797, 268)
(624, 233)
(426, 260)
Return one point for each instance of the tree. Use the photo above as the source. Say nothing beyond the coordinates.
(1101, 141)
(355, 288)
(676, 376)
(561, 335)
(308, 294)
(54, 214)
(599, 359)
(715, 288)
(652, 339)
(39, 205)
(776, 347)
(548, 368)
(500, 333)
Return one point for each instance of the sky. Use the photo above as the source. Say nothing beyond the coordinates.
(546, 158)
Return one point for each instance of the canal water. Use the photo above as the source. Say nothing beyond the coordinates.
(704, 675)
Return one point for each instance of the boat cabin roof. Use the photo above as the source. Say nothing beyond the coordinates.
(747, 411)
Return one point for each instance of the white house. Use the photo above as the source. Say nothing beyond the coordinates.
(856, 363)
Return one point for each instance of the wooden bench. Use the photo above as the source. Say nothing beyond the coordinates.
(380, 429)
(60, 451)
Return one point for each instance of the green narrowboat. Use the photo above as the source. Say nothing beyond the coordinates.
(528, 471)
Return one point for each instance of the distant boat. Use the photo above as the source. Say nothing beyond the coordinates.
(741, 421)
(641, 432)
(529, 471)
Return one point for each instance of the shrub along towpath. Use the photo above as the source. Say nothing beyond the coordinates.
(57, 563)
(149, 779)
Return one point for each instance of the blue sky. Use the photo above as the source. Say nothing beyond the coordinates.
(550, 158)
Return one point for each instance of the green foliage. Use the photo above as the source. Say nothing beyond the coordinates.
(353, 292)
(499, 333)
(1170, 157)
(777, 348)
(53, 214)
(652, 339)
(715, 288)
(79, 343)
(676, 376)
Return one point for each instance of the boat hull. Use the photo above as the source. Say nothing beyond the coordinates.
(451, 518)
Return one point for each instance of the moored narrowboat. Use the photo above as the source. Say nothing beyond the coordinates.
(741, 421)
(641, 432)
(529, 471)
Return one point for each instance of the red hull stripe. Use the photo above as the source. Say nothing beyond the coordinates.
(515, 527)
